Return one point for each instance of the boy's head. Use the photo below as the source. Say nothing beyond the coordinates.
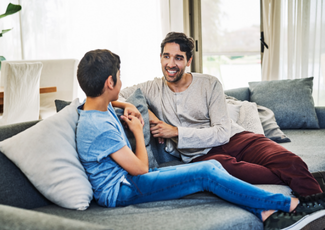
(185, 43)
(94, 69)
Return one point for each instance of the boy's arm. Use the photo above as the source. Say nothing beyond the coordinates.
(129, 109)
(134, 164)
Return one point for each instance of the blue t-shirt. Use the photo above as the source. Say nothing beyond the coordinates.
(100, 134)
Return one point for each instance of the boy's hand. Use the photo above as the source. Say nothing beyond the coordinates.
(130, 109)
(134, 124)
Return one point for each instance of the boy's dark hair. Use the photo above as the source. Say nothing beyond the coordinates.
(94, 69)
(185, 43)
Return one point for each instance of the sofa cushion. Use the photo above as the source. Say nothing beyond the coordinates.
(290, 100)
(46, 154)
(309, 145)
(206, 211)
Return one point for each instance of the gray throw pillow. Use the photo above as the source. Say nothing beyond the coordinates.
(59, 104)
(138, 100)
(290, 100)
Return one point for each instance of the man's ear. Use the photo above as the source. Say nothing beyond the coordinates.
(109, 82)
(189, 61)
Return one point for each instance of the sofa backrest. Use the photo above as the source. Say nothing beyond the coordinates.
(241, 94)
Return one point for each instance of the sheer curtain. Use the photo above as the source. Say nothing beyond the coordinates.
(295, 33)
(68, 29)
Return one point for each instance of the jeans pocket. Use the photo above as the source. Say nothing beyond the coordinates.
(127, 193)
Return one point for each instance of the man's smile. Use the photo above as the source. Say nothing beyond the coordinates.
(171, 72)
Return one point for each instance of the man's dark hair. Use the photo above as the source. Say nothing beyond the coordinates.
(94, 69)
(185, 43)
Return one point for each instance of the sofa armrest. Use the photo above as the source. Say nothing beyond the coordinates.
(16, 218)
(7, 131)
(320, 111)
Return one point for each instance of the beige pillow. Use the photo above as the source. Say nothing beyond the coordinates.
(248, 116)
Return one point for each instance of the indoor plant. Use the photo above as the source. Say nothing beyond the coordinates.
(11, 9)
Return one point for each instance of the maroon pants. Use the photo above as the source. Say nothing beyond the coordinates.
(258, 160)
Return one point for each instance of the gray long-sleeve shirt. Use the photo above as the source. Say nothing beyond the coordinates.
(200, 113)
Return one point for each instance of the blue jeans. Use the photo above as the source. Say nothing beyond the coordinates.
(178, 181)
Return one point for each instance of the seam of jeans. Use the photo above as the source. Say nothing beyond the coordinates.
(210, 181)
(285, 204)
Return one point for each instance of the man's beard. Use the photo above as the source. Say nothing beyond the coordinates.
(177, 77)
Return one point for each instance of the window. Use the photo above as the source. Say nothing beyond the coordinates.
(68, 29)
(231, 41)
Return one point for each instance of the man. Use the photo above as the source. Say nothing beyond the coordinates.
(191, 111)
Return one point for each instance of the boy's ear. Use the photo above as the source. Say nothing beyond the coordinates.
(109, 82)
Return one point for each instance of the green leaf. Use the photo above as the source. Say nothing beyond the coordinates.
(11, 9)
(2, 58)
(4, 31)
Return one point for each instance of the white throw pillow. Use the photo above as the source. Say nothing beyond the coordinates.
(249, 118)
(46, 154)
(245, 114)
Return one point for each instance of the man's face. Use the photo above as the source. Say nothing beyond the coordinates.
(173, 62)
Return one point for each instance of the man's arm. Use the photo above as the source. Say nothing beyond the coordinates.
(195, 136)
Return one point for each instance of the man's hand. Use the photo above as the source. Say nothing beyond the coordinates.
(160, 129)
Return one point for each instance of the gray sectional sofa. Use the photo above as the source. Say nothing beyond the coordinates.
(22, 206)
